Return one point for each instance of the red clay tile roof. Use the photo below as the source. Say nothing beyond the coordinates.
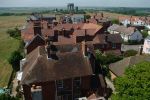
(66, 40)
(79, 30)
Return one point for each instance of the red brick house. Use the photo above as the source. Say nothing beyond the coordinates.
(61, 72)
(38, 40)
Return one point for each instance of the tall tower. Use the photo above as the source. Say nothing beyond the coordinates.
(70, 7)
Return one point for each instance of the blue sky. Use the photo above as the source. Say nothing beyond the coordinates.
(62, 3)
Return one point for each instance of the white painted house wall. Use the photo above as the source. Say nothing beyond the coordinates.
(124, 37)
(139, 23)
(149, 32)
(77, 18)
(146, 46)
(148, 26)
(135, 36)
(126, 22)
(113, 32)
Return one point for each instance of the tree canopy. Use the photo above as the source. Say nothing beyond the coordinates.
(144, 33)
(107, 58)
(135, 84)
(15, 33)
(14, 60)
(7, 97)
(129, 53)
(115, 21)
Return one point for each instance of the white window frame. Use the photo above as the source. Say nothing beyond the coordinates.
(79, 80)
(114, 46)
(59, 84)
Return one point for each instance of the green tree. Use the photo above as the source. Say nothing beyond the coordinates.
(135, 84)
(14, 60)
(129, 53)
(87, 16)
(15, 33)
(144, 33)
(107, 58)
(7, 97)
(115, 21)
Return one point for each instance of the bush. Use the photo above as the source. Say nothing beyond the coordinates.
(7, 97)
(129, 53)
(134, 84)
(15, 33)
(14, 60)
(107, 59)
(115, 21)
(87, 16)
(144, 33)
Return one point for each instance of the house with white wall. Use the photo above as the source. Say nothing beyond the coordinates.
(77, 18)
(127, 33)
(146, 46)
(112, 29)
(134, 20)
(139, 22)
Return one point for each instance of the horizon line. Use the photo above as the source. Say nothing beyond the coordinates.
(66, 7)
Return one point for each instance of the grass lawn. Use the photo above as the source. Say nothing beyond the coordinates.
(7, 45)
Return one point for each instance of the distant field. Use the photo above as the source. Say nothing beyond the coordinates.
(7, 45)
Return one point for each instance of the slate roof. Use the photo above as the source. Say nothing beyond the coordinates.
(127, 31)
(101, 39)
(119, 67)
(122, 29)
(113, 27)
(68, 65)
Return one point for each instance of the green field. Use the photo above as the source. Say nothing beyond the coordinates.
(7, 45)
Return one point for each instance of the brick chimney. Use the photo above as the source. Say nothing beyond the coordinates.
(106, 38)
(140, 50)
(102, 15)
(51, 50)
(84, 49)
(37, 28)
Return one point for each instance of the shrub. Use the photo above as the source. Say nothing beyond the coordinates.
(129, 53)
(15, 33)
(14, 60)
(144, 33)
(87, 16)
(7, 97)
(115, 21)
(107, 59)
(134, 84)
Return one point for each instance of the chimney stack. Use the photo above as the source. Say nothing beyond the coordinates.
(84, 49)
(102, 15)
(37, 28)
(51, 50)
(106, 38)
(48, 52)
(140, 50)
